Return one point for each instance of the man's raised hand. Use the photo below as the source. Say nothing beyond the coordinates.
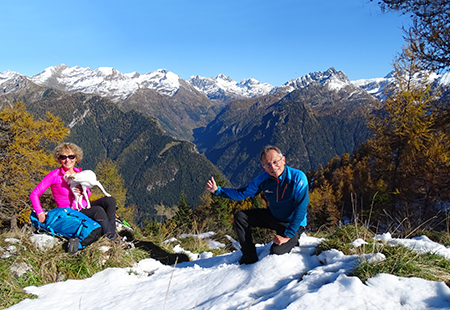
(211, 185)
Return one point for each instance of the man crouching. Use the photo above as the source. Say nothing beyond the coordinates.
(286, 190)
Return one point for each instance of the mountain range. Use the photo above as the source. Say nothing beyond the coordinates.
(156, 126)
(117, 86)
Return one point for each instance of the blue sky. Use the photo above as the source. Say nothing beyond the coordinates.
(271, 41)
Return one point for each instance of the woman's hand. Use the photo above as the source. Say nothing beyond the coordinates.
(79, 190)
(41, 217)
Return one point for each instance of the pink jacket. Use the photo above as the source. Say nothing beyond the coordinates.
(61, 192)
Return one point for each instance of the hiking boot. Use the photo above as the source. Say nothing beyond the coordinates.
(245, 260)
(123, 244)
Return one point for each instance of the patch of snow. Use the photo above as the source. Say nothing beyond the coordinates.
(297, 280)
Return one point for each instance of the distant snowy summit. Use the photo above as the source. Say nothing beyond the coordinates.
(11, 81)
(377, 86)
(216, 87)
(334, 80)
(109, 82)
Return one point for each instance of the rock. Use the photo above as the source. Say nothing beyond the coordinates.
(44, 242)
(61, 277)
(9, 251)
(12, 240)
(19, 269)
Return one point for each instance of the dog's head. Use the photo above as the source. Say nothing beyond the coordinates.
(69, 177)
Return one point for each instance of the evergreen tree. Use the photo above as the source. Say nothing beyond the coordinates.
(216, 213)
(24, 156)
(183, 216)
(113, 182)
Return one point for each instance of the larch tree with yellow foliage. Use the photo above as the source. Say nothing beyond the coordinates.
(25, 157)
(411, 153)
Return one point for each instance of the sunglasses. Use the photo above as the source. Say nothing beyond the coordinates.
(64, 157)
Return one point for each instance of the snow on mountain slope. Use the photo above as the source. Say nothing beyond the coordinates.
(377, 86)
(296, 280)
(217, 87)
(9, 81)
(107, 81)
(214, 87)
(334, 80)
(445, 79)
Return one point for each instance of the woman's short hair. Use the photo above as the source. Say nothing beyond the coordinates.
(70, 147)
(269, 148)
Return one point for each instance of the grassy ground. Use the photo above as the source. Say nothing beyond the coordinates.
(57, 265)
(400, 260)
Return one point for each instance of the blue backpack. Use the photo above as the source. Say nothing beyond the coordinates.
(74, 225)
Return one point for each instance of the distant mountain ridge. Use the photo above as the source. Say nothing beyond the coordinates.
(181, 106)
(226, 89)
(111, 83)
(107, 82)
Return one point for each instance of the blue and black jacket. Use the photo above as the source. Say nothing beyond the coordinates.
(287, 196)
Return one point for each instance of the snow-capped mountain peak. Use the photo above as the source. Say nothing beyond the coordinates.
(107, 81)
(225, 78)
(377, 86)
(246, 88)
(163, 81)
(9, 81)
(333, 79)
(8, 74)
(111, 83)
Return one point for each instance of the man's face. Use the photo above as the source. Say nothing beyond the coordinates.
(273, 164)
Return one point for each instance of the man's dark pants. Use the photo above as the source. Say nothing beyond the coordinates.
(246, 219)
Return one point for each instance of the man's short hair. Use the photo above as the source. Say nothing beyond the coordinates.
(269, 148)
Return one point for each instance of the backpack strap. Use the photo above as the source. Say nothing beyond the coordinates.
(49, 228)
(78, 233)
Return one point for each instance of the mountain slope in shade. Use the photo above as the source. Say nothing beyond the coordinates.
(178, 114)
(311, 125)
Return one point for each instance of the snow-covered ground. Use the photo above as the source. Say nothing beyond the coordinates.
(298, 280)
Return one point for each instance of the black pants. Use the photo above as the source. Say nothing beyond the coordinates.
(246, 219)
(103, 211)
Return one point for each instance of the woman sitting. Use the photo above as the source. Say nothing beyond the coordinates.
(103, 210)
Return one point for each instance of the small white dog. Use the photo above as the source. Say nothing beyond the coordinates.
(85, 178)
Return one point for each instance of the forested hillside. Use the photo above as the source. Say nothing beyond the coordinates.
(311, 125)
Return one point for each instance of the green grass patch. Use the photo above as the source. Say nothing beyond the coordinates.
(400, 260)
(340, 238)
(403, 262)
